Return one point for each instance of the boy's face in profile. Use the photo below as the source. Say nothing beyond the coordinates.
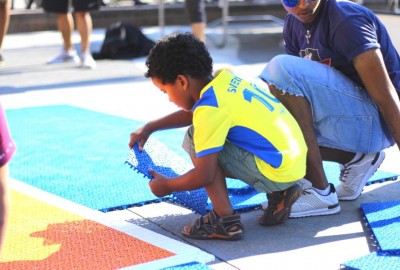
(177, 91)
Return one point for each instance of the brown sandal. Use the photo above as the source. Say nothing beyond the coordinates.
(211, 226)
(279, 205)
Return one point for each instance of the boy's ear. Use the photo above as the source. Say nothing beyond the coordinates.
(183, 81)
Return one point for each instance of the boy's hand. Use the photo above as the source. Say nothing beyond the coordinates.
(158, 184)
(139, 136)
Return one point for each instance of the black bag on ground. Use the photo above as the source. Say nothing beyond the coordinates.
(123, 41)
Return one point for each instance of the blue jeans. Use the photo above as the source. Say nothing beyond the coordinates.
(344, 115)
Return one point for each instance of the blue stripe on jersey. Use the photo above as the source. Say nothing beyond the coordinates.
(255, 143)
(209, 151)
(208, 98)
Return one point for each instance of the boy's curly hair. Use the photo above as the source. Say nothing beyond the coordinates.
(179, 54)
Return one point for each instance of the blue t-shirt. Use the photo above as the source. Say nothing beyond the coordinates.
(341, 31)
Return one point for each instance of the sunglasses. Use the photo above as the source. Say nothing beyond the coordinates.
(294, 3)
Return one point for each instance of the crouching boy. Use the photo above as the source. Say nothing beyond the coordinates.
(237, 130)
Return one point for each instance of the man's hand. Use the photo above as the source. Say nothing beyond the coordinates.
(158, 184)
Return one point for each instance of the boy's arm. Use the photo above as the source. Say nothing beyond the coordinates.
(176, 119)
(204, 173)
(372, 70)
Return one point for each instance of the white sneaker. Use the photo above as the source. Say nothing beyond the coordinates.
(355, 174)
(311, 203)
(87, 61)
(65, 56)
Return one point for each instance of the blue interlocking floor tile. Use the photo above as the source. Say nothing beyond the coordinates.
(384, 220)
(161, 159)
(374, 261)
(77, 154)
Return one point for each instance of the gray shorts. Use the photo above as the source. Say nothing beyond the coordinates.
(239, 164)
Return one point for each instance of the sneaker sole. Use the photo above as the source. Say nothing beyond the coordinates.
(334, 209)
(378, 161)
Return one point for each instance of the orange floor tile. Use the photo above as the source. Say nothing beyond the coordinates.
(49, 232)
(42, 236)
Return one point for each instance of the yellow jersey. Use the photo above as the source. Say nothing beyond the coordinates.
(250, 117)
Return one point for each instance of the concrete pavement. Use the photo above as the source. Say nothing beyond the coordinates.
(119, 88)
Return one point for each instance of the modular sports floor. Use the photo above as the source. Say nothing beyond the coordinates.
(118, 89)
(57, 229)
